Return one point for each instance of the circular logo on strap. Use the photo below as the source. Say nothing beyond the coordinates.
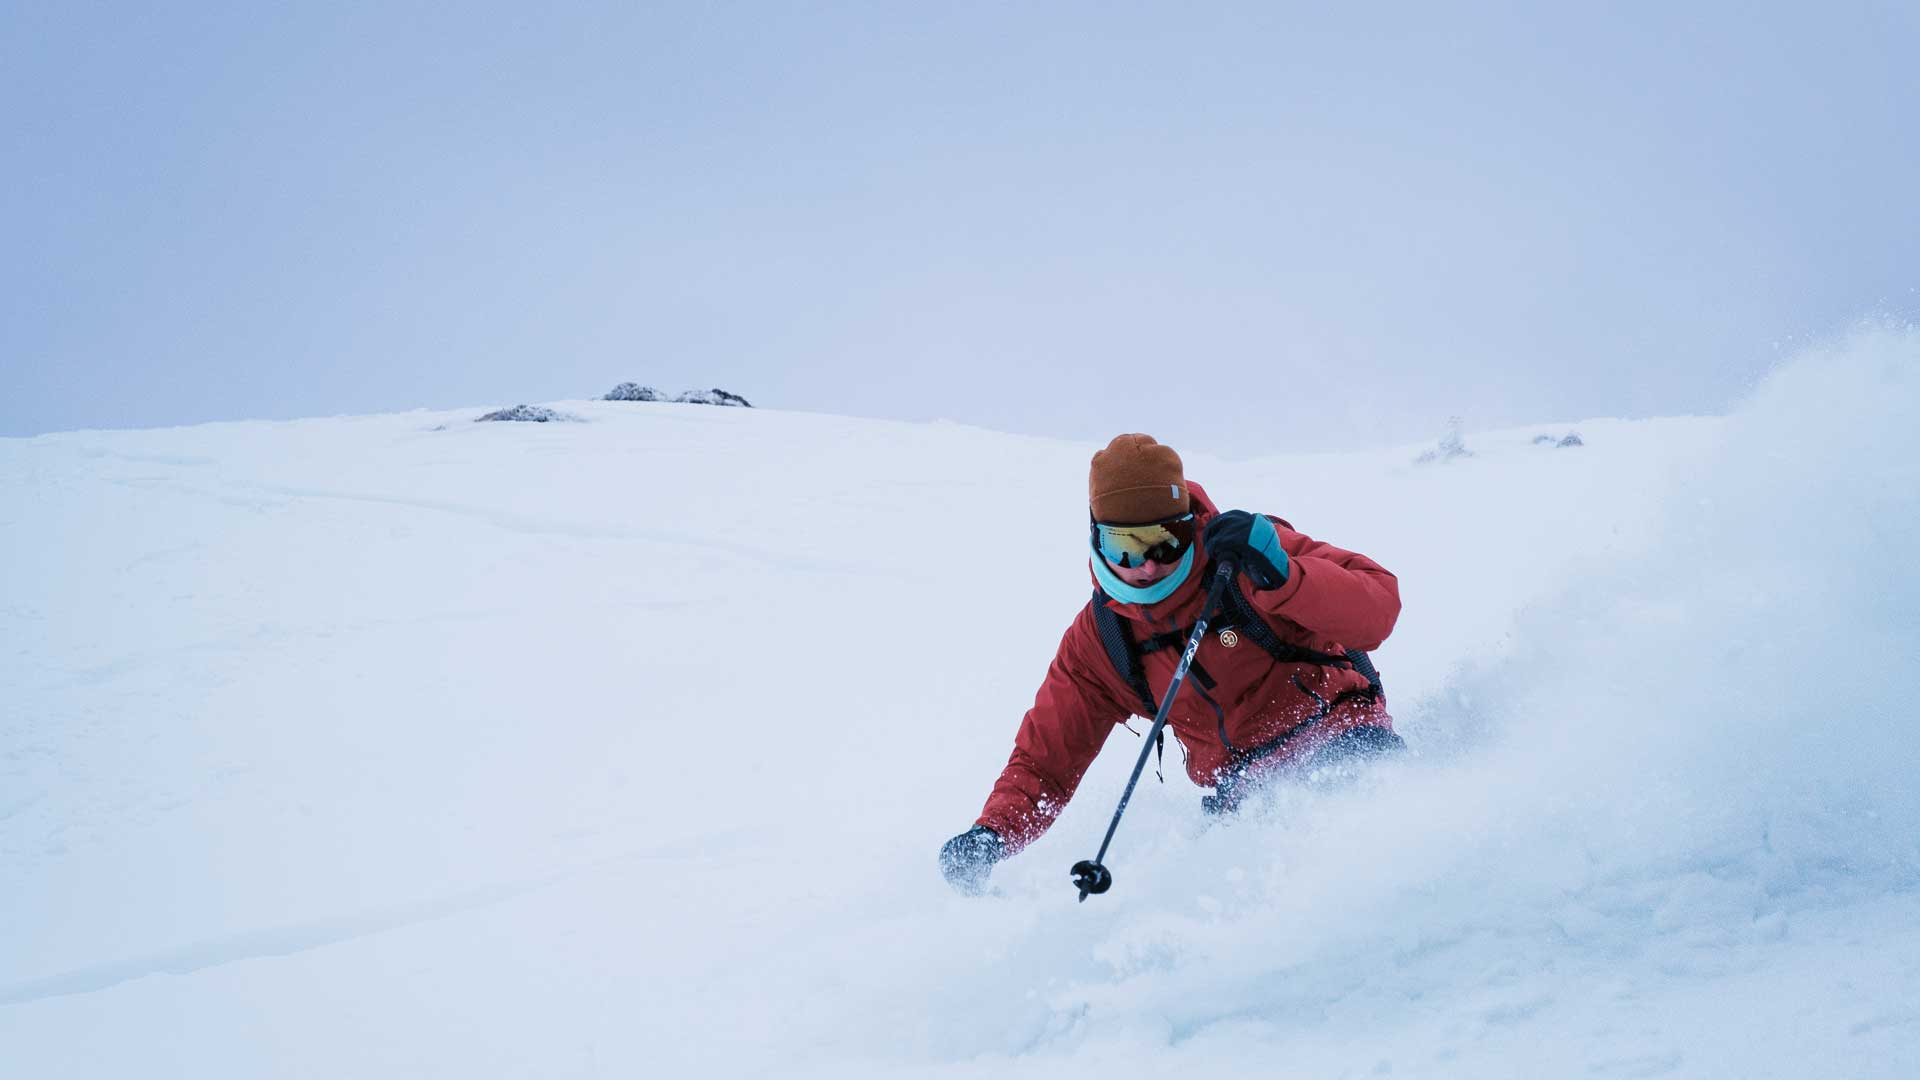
(1229, 638)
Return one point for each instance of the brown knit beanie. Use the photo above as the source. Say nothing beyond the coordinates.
(1136, 480)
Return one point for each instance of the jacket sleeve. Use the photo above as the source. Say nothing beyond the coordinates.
(1332, 592)
(1058, 739)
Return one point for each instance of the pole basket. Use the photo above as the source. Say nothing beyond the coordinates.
(1091, 877)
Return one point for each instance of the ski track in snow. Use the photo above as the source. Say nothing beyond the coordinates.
(253, 945)
(289, 940)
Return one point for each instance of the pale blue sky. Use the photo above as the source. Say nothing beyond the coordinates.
(1243, 227)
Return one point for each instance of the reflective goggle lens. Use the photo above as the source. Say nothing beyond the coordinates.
(1132, 545)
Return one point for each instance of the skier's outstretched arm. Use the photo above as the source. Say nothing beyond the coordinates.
(1058, 738)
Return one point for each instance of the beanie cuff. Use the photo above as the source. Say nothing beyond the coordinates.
(1141, 504)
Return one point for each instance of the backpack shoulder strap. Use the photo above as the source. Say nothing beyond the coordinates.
(1124, 653)
(1363, 664)
(1121, 650)
(1248, 621)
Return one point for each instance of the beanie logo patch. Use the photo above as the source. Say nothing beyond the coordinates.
(1175, 490)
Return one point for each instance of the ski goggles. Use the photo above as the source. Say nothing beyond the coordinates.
(1131, 545)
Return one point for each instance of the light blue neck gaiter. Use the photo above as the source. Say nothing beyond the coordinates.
(1128, 594)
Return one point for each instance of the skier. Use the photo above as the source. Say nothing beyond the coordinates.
(1281, 681)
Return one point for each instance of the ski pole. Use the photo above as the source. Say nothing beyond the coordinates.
(1089, 874)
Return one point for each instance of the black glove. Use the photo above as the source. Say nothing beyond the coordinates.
(1250, 541)
(967, 859)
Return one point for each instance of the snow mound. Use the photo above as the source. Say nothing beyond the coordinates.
(1451, 447)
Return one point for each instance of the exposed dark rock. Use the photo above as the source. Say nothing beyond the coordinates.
(715, 396)
(535, 414)
(627, 391)
(1571, 438)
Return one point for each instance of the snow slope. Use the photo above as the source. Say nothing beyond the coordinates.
(406, 746)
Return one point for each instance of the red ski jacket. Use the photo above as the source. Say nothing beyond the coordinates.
(1332, 600)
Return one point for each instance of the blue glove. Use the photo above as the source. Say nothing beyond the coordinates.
(967, 859)
(1249, 540)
